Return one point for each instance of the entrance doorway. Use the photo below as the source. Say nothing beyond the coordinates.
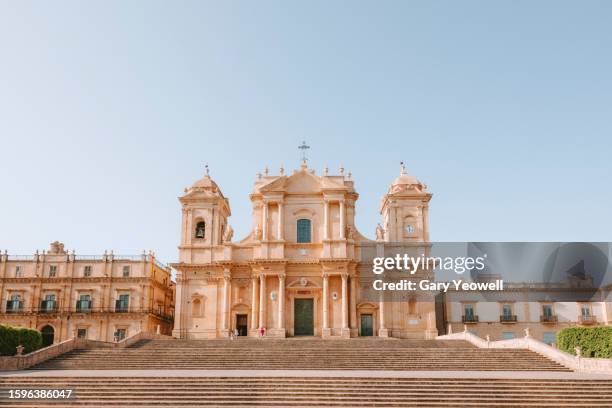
(303, 317)
(47, 335)
(241, 324)
(366, 325)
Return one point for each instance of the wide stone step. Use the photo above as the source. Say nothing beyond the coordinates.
(304, 354)
(315, 392)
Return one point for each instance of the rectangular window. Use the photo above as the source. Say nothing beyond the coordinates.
(84, 303)
(549, 338)
(303, 231)
(82, 333)
(15, 303)
(126, 271)
(507, 311)
(508, 335)
(468, 310)
(87, 271)
(547, 310)
(48, 304)
(586, 310)
(123, 303)
(120, 334)
(18, 270)
(52, 271)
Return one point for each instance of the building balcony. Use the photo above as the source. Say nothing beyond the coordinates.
(469, 319)
(507, 319)
(121, 306)
(84, 306)
(14, 307)
(587, 320)
(48, 306)
(548, 319)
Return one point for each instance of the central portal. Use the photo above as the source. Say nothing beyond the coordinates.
(303, 317)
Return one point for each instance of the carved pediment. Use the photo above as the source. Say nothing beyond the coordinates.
(302, 283)
(241, 306)
(367, 305)
(301, 182)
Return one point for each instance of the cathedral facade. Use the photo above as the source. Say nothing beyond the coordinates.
(299, 271)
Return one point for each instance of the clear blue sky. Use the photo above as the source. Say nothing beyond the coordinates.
(109, 109)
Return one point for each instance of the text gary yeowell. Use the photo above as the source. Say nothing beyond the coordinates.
(425, 284)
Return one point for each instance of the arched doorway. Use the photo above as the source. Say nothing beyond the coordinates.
(47, 335)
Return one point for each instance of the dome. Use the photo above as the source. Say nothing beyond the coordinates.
(405, 179)
(406, 182)
(205, 184)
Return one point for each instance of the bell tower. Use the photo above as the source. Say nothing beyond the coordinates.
(405, 210)
(205, 212)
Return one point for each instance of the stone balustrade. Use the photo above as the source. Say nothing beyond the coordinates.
(21, 362)
(577, 363)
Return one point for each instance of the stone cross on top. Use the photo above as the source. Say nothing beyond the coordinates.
(303, 147)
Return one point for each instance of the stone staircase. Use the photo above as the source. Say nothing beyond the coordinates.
(302, 354)
(162, 391)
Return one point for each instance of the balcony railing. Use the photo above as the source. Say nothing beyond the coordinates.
(548, 319)
(582, 319)
(469, 319)
(13, 306)
(28, 310)
(121, 306)
(48, 306)
(507, 318)
(83, 306)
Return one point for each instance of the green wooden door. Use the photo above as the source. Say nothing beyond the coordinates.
(366, 325)
(303, 317)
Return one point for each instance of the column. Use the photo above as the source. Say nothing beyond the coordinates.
(253, 303)
(342, 222)
(226, 303)
(281, 301)
(279, 233)
(264, 224)
(178, 306)
(353, 300)
(425, 223)
(262, 300)
(344, 301)
(325, 301)
(382, 332)
(326, 220)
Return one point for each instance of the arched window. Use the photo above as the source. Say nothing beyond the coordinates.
(303, 231)
(200, 231)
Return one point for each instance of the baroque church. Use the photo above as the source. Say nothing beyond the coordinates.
(300, 271)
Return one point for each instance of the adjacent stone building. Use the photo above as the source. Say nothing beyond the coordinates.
(106, 297)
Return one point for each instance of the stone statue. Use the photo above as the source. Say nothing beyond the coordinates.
(350, 232)
(257, 233)
(229, 234)
(56, 247)
(380, 232)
